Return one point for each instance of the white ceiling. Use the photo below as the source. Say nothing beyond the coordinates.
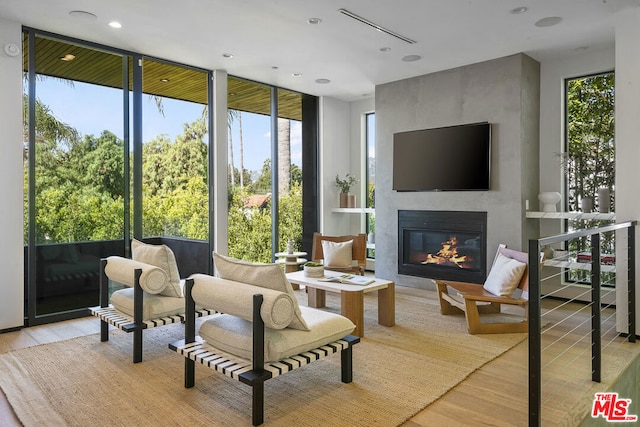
(263, 34)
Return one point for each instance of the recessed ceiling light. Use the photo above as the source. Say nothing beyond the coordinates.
(227, 55)
(296, 74)
(314, 21)
(385, 49)
(411, 58)
(115, 24)
(518, 10)
(84, 15)
(323, 81)
(68, 57)
(548, 21)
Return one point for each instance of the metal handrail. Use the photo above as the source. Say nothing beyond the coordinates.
(535, 245)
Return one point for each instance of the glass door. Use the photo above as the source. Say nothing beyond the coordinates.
(74, 174)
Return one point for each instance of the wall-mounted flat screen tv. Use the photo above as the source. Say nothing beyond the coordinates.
(454, 158)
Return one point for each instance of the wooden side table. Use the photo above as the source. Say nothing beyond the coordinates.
(292, 262)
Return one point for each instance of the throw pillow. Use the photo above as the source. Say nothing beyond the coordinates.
(236, 299)
(268, 276)
(504, 276)
(160, 256)
(121, 270)
(337, 254)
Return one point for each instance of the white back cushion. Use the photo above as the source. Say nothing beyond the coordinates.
(160, 256)
(268, 276)
(236, 299)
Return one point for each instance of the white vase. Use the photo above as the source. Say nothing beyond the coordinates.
(604, 200)
(549, 200)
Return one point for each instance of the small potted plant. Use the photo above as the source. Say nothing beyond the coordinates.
(346, 200)
(313, 269)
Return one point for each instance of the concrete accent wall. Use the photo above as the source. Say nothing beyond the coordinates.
(11, 176)
(504, 92)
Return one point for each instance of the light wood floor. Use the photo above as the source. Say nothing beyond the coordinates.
(496, 394)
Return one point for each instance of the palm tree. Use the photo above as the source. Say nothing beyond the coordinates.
(48, 128)
(241, 150)
(284, 155)
(231, 115)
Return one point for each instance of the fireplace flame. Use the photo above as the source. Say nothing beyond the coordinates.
(448, 253)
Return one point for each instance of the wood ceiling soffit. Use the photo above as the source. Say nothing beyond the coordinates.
(102, 68)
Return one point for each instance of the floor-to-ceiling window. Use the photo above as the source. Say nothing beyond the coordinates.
(370, 137)
(261, 200)
(289, 178)
(74, 174)
(117, 146)
(174, 151)
(249, 170)
(588, 160)
(82, 129)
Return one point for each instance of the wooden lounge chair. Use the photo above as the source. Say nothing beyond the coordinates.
(358, 253)
(473, 299)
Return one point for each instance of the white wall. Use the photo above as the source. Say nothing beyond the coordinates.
(341, 152)
(627, 142)
(221, 148)
(11, 177)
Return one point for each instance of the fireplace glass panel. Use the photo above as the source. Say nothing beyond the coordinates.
(443, 245)
(457, 250)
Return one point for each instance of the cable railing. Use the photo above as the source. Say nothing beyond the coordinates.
(572, 314)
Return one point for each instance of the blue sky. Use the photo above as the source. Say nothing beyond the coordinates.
(91, 109)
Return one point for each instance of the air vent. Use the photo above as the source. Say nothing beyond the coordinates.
(375, 26)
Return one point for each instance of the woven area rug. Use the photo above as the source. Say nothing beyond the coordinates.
(397, 372)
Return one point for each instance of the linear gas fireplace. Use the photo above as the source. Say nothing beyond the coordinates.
(443, 245)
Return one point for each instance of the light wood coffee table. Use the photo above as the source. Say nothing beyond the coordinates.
(351, 298)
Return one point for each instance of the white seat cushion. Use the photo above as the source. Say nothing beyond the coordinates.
(154, 306)
(234, 335)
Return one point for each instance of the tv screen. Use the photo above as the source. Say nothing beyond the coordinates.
(443, 159)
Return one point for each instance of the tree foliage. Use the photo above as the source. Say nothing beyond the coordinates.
(590, 156)
(80, 190)
(589, 160)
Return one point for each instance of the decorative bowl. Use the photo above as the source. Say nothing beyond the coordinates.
(313, 270)
(549, 200)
